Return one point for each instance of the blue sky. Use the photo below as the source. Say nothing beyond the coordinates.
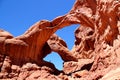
(16, 16)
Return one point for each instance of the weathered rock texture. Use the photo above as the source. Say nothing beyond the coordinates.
(95, 55)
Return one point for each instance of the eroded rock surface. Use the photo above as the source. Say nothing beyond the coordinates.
(95, 55)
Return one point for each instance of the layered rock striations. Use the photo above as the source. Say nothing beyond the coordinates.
(95, 54)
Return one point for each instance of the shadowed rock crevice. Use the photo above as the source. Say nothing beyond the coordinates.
(87, 66)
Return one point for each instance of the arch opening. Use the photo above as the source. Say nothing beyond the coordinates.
(55, 59)
(67, 34)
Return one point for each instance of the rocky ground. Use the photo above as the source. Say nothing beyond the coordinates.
(96, 51)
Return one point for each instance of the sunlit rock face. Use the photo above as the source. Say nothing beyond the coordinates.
(96, 51)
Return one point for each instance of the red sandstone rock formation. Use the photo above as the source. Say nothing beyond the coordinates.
(95, 55)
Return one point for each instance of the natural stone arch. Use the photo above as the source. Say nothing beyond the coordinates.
(34, 43)
(30, 46)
